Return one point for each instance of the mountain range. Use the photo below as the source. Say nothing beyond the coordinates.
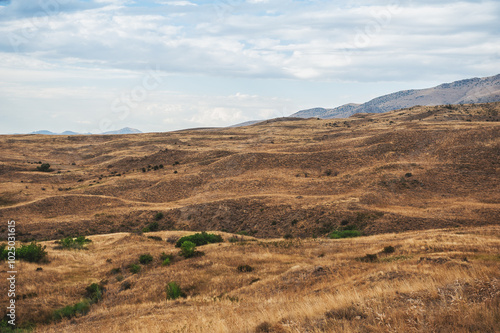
(475, 90)
(125, 130)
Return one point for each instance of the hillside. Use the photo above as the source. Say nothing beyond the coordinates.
(476, 90)
(418, 168)
(421, 185)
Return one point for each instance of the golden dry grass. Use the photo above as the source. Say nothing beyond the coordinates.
(435, 281)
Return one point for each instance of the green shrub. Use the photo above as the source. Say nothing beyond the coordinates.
(166, 262)
(31, 253)
(200, 239)
(116, 270)
(94, 293)
(174, 291)
(345, 234)
(188, 249)
(72, 310)
(134, 268)
(45, 167)
(145, 259)
(74, 243)
(158, 216)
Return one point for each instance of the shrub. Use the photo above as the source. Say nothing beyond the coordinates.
(188, 249)
(119, 278)
(116, 270)
(174, 291)
(94, 293)
(200, 239)
(388, 249)
(74, 243)
(134, 268)
(45, 167)
(153, 226)
(72, 310)
(288, 236)
(245, 268)
(158, 216)
(166, 262)
(156, 238)
(345, 234)
(145, 258)
(31, 253)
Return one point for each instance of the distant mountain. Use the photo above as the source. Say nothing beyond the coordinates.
(476, 90)
(247, 123)
(126, 130)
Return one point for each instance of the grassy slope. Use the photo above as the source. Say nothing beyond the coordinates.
(435, 281)
(261, 178)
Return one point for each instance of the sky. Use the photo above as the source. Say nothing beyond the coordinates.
(163, 65)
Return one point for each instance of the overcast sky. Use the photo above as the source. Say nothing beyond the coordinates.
(160, 65)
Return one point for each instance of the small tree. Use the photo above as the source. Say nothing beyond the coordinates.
(188, 249)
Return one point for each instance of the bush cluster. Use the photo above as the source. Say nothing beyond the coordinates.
(200, 239)
(93, 294)
(74, 243)
(32, 253)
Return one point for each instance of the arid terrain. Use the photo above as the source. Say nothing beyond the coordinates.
(423, 180)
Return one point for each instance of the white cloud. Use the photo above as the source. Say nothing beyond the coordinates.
(292, 43)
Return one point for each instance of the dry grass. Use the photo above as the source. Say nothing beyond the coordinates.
(436, 281)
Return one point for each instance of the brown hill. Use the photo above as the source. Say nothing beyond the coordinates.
(417, 168)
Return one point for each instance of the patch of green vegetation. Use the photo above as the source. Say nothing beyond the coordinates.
(200, 239)
(81, 308)
(395, 258)
(74, 243)
(337, 234)
(158, 216)
(32, 253)
(145, 258)
(134, 268)
(153, 226)
(188, 249)
(174, 291)
(93, 294)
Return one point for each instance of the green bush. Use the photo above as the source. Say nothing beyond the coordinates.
(174, 291)
(74, 243)
(145, 259)
(72, 310)
(188, 249)
(32, 252)
(345, 234)
(134, 268)
(94, 293)
(200, 239)
(45, 167)
(158, 216)
(166, 262)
